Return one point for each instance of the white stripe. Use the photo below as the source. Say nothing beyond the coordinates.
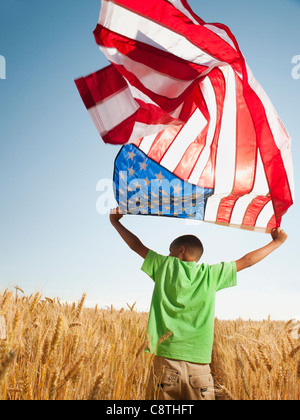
(134, 26)
(138, 94)
(240, 208)
(260, 188)
(140, 129)
(148, 128)
(97, 121)
(179, 6)
(226, 153)
(265, 215)
(221, 33)
(279, 132)
(176, 113)
(113, 110)
(147, 142)
(210, 99)
(183, 140)
(153, 80)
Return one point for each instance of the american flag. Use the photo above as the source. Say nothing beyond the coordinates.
(179, 94)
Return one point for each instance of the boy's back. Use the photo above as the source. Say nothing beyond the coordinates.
(183, 304)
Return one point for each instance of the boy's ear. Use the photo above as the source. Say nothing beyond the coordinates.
(182, 249)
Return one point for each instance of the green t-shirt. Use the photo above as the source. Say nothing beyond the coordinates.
(183, 304)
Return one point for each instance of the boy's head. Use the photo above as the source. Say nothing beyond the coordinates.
(187, 248)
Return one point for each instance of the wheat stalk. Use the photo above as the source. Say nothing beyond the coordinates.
(80, 306)
(6, 362)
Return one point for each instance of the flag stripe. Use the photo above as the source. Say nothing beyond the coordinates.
(137, 26)
(182, 141)
(197, 155)
(178, 4)
(265, 215)
(260, 188)
(161, 21)
(93, 90)
(272, 223)
(226, 153)
(156, 96)
(254, 209)
(123, 105)
(246, 154)
(152, 80)
(218, 95)
(221, 33)
(144, 53)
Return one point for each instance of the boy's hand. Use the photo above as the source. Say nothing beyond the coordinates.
(115, 215)
(279, 235)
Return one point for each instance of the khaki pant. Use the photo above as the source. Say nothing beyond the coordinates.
(179, 380)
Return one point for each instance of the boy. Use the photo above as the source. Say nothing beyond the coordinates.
(181, 319)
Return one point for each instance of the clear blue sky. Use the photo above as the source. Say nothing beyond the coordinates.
(52, 239)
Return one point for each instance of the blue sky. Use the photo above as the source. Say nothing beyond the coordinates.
(52, 239)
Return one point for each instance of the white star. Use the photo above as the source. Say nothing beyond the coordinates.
(177, 189)
(131, 155)
(159, 176)
(143, 166)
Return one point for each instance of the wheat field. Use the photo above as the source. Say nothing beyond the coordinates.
(58, 351)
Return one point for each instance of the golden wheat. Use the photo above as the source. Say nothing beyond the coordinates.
(256, 360)
(60, 351)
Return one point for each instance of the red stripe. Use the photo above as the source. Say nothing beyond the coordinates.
(219, 85)
(121, 133)
(138, 142)
(147, 114)
(159, 60)
(168, 16)
(254, 210)
(272, 223)
(193, 152)
(246, 156)
(229, 34)
(167, 104)
(162, 142)
(197, 18)
(92, 89)
(166, 138)
(85, 93)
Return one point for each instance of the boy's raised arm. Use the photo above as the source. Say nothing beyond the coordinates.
(132, 241)
(278, 238)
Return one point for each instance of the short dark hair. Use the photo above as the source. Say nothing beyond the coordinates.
(192, 244)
